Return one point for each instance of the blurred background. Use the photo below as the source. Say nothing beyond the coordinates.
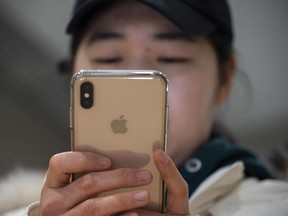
(34, 95)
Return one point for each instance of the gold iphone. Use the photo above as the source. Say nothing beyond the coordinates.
(122, 114)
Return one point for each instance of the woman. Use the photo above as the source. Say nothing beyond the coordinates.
(190, 41)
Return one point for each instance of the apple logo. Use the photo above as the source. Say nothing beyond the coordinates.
(119, 125)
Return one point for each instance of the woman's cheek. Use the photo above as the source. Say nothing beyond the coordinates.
(190, 114)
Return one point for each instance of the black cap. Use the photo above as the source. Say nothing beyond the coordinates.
(195, 17)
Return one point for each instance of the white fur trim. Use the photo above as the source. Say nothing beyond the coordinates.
(216, 185)
(20, 188)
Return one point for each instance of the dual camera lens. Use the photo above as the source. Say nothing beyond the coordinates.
(86, 97)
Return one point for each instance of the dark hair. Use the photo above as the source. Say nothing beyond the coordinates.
(75, 42)
(78, 35)
(224, 51)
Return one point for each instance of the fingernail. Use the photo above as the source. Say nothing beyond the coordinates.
(143, 176)
(140, 196)
(105, 162)
(164, 157)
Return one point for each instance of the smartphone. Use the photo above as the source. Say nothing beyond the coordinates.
(122, 114)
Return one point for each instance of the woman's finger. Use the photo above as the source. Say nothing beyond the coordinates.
(95, 183)
(177, 196)
(111, 204)
(62, 165)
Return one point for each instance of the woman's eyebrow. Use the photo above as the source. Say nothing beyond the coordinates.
(100, 36)
(172, 36)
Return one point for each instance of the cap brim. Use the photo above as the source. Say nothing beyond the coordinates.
(84, 11)
(182, 15)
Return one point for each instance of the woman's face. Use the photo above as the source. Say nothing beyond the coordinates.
(131, 35)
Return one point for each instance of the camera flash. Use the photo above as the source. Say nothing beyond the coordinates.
(86, 95)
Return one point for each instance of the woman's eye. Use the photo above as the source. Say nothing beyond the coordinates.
(107, 60)
(173, 60)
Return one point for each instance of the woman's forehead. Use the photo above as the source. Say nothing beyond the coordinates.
(134, 21)
(131, 15)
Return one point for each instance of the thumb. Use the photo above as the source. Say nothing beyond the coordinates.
(177, 196)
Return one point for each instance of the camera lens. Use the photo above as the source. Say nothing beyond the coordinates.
(86, 95)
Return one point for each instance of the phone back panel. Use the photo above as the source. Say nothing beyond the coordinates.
(127, 122)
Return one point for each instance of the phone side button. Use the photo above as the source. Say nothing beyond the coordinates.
(70, 118)
(167, 118)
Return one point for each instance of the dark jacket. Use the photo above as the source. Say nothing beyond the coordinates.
(217, 153)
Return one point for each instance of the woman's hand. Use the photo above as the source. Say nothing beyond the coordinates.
(178, 191)
(177, 196)
(60, 196)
